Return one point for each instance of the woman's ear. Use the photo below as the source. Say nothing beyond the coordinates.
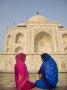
(40, 76)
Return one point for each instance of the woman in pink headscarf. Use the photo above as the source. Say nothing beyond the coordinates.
(21, 73)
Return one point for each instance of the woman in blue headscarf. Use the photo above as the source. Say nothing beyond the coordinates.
(48, 73)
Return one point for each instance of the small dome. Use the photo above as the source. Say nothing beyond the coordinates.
(21, 25)
(37, 18)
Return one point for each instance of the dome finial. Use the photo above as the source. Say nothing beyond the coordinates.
(38, 12)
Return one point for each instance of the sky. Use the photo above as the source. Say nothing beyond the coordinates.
(13, 12)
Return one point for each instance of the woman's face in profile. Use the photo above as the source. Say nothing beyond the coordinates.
(42, 60)
(40, 76)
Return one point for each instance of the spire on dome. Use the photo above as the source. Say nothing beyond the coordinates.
(38, 12)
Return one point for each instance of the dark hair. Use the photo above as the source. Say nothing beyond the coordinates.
(43, 55)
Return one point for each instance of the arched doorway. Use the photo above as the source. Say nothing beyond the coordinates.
(8, 39)
(43, 43)
(64, 37)
(19, 38)
(18, 49)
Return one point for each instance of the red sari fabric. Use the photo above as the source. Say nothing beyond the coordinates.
(21, 73)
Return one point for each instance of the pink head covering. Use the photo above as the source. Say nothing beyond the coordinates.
(20, 69)
(21, 73)
(20, 57)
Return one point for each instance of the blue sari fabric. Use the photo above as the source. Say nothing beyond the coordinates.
(49, 71)
(41, 84)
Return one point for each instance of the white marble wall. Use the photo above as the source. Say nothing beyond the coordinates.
(33, 62)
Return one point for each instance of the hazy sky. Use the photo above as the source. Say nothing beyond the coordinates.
(13, 12)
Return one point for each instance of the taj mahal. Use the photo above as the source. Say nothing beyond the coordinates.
(35, 36)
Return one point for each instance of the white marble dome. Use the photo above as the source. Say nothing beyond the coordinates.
(37, 19)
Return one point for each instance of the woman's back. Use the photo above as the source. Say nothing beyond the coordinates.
(21, 73)
(49, 70)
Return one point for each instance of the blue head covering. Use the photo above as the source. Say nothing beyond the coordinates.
(49, 70)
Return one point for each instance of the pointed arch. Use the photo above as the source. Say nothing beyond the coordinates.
(64, 38)
(17, 49)
(43, 43)
(8, 39)
(19, 38)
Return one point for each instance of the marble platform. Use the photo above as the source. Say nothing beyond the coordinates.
(7, 79)
(13, 88)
